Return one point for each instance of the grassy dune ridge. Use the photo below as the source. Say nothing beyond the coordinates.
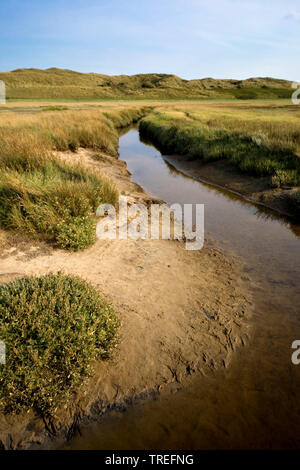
(56, 83)
(39, 193)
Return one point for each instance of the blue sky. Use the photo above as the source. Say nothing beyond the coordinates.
(190, 38)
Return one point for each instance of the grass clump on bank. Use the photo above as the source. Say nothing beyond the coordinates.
(54, 328)
(53, 200)
(255, 152)
(42, 195)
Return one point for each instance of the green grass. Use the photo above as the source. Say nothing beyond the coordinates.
(43, 196)
(252, 149)
(54, 328)
(56, 83)
(55, 201)
(127, 117)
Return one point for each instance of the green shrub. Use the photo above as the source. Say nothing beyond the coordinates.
(76, 233)
(54, 328)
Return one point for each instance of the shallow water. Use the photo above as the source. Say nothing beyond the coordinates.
(255, 402)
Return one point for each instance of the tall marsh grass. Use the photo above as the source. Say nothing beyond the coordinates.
(259, 149)
(42, 195)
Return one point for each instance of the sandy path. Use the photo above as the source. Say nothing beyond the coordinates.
(182, 311)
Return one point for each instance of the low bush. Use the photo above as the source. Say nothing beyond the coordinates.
(77, 233)
(54, 328)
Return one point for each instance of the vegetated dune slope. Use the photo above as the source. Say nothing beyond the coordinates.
(67, 84)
